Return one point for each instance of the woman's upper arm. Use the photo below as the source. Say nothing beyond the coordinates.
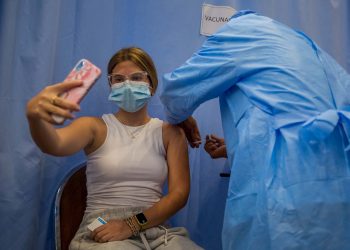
(76, 136)
(177, 159)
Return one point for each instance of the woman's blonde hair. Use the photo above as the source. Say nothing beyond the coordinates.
(140, 58)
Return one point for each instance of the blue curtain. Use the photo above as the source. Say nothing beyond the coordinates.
(41, 40)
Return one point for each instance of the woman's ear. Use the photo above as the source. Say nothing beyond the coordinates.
(152, 90)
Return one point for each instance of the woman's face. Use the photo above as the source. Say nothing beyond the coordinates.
(127, 68)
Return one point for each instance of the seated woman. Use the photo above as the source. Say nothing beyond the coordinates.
(129, 157)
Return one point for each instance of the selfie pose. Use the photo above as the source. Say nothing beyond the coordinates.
(130, 156)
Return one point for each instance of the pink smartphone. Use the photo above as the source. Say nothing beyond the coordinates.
(83, 70)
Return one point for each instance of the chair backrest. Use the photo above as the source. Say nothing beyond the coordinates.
(70, 207)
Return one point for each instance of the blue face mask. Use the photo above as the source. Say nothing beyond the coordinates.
(130, 96)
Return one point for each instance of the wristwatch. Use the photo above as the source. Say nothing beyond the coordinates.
(141, 220)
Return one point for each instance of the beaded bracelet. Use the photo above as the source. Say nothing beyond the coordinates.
(134, 222)
(132, 226)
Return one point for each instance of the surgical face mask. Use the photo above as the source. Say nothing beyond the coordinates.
(130, 96)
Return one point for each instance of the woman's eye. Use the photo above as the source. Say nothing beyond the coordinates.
(136, 77)
(118, 79)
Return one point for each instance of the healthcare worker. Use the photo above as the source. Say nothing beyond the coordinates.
(285, 107)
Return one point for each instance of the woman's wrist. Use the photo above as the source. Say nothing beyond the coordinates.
(130, 233)
(133, 226)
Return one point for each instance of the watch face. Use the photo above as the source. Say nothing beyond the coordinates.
(141, 218)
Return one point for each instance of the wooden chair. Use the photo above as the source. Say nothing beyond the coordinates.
(70, 207)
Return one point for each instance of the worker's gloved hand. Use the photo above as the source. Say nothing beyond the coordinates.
(215, 146)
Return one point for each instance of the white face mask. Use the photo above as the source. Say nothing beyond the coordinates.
(130, 96)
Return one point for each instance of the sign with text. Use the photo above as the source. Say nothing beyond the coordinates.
(213, 17)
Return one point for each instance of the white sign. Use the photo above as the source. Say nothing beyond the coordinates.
(213, 17)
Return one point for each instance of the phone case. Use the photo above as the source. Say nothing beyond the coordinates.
(86, 71)
(83, 70)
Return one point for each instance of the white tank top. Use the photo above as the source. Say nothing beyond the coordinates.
(126, 171)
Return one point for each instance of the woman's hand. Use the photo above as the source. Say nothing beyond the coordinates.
(113, 230)
(191, 131)
(215, 146)
(48, 102)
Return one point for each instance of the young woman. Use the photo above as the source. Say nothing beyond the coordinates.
(129, 157)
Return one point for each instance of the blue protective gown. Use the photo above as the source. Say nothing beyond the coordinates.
(285, 107)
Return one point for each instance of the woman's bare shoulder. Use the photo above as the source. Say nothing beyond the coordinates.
(172, 132)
